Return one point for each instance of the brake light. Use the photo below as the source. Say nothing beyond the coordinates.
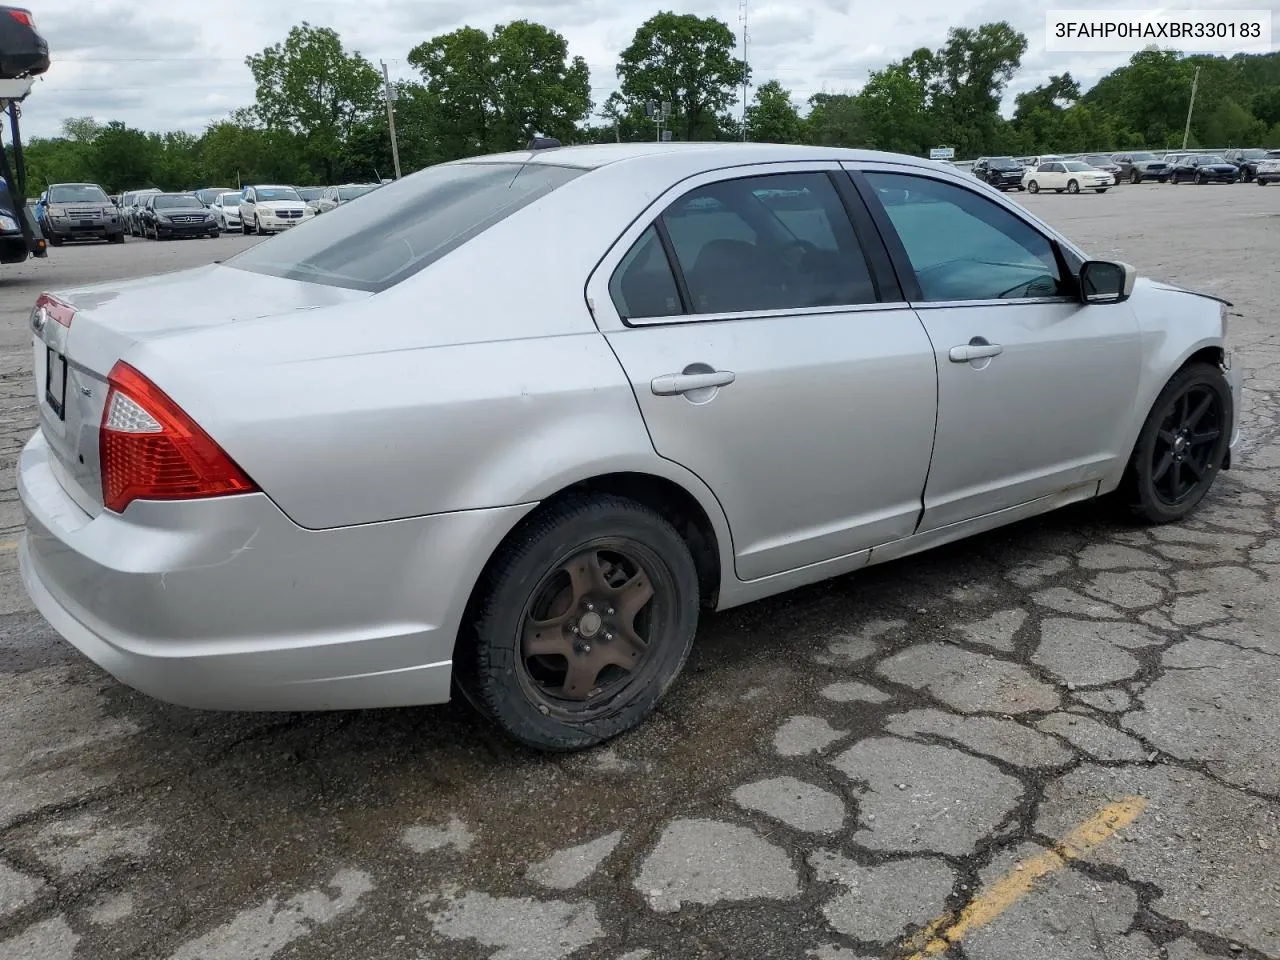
(151, 450)
(22, 16)
(55, 309)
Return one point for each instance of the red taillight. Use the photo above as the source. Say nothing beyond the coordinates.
(55, 309)
(22, 16)
(151, 450)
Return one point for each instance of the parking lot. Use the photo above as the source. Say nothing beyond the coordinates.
(1059, 740)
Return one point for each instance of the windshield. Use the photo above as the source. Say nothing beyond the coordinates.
(1213, 159)
(78, 193)
(1099, 161)
(1076, 165)
(310, 193)
(1253, 154)
(173, 201)
(1004, 163)
(350, 193)
(1143, 156)
(229, 200)
(1273, 155)
(405, 227)
(277, 193)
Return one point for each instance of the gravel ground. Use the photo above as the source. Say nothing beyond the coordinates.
(1059, 740)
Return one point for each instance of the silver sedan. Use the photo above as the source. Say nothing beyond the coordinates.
(515, 421)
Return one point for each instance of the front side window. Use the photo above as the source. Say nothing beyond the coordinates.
(776, 242)
(964, 246)
(398, 230)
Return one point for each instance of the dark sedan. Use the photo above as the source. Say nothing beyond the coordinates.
(1204, 169)
(1247, 161)
(1104, 163)
(168, 215)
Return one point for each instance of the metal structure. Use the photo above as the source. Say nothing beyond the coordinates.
(746, 72)
(390, 94)
(12, 93)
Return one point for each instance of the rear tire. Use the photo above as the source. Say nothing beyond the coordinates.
(1160, 462)
(550, 584)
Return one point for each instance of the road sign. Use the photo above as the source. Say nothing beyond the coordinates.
(942, 153)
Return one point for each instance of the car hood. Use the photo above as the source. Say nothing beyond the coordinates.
(1174, 288)
(169, 211)
(282, 204)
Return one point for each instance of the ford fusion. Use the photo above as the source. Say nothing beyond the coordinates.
(515, 422)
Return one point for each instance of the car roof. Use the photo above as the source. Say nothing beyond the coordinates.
(712, 155)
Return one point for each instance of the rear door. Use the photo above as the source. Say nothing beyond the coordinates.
(772, 355)
(1034, 388)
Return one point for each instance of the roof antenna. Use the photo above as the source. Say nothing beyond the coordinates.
(543, 143)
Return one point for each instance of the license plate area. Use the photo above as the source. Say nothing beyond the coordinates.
(55, 382)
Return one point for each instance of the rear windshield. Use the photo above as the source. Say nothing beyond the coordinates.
(310, 193)
(1076, 165)
(229, 200)
(401, 228)
(177, 200)
(350, 193)
(78, 193)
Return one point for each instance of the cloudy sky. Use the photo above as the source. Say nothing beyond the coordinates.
(179, 65)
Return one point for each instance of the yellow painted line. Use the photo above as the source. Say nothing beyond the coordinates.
(947, 930)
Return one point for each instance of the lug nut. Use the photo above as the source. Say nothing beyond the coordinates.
(586, 648)
(608, 636)
(609, 612)
(591, 606)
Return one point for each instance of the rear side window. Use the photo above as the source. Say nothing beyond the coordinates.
(643, 284)
(397, 230)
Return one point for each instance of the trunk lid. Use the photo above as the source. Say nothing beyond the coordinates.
(71, 361)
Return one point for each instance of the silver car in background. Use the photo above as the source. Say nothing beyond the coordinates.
(514, 421)
(226, 210)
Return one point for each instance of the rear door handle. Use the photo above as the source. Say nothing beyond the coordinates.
(673, 384)
(975, 351)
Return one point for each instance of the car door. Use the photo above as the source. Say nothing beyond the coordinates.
(1035, 388)
(773, 356)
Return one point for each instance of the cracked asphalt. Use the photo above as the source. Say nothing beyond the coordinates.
(1059, 740)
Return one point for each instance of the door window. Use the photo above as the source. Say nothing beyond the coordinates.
(964, 246)
(776, 242)
(643, 284)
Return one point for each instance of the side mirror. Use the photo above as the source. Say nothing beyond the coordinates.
(1103, 281)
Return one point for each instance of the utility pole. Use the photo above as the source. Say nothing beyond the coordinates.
(1186, 132)
(742, 15)
(390, 96)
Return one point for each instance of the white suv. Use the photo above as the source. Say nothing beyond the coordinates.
(270, 208)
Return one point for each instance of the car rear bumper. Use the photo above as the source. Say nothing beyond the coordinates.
(226, 604)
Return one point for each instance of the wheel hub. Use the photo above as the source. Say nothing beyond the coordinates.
(589, 624)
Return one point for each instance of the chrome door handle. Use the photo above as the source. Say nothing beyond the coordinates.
(673, 384)
(975, 351)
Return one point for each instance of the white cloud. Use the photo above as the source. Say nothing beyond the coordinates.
(184, 67)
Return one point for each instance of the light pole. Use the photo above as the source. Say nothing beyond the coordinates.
(390, 96)
(1186, 131)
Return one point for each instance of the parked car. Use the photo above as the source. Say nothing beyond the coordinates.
(80, 211)
(334, 197)
(226, 211)
(271, 208)
(131, 209)
(1204, 168)
(1104, 163)
(1069, 175)
(1268, 169)
(347, 516)
(311, 197)
(1246, 161)
(1141, 165)
(1003, 173)
(207, 195)
(166, 216)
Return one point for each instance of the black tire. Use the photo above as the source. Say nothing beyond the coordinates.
(1145, 490)
(257, 226)
(1199, 179)
(1173, 178)
(116, 237)
(244, 227)
(1033, 187)
(516, 690)
(1073, 186)
(1164, 179)
(1102, 189)
(1135, 176)
(54, 239)
(1262, 182)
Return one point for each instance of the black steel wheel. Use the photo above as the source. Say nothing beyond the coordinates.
(582, 622)
(1182, 446)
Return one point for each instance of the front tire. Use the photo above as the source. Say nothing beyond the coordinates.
(1182, 446)
(1135, 176)
(1073, 186)
(581, 624)
(1033, 187)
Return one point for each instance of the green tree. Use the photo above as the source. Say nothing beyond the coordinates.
(494, 91)
(772, 117)
(836, 120)
(971, 71)
(312, 87)
(125, 158)
(895, 109)
(687, 61)
(1230, 125)
(81, 129)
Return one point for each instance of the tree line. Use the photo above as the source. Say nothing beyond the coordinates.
(319, 114)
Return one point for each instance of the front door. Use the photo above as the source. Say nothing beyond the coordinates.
(1030, 381)
(767, 364)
